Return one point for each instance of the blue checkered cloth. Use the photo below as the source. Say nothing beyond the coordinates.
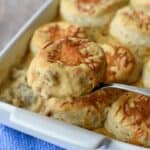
(13, 140)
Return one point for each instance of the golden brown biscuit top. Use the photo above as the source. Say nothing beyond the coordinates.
(87, 5)
(142, 20)
(118, 59)
(57, 31)
(67, 52)
(136, 106)
(72, 52)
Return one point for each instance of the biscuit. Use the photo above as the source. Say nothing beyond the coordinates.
(55, 31)
(143, 54)
(129, 119)
(122, 65)
(146, 74)
(86, 111)
(67, 67)
(132, 29)
(141, 5)
(93, 13)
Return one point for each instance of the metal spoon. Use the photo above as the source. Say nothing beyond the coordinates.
(130, 88)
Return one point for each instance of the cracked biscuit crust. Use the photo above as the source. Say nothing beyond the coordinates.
(68, 67)
(122, 65)
(129, 119)
(55, 31)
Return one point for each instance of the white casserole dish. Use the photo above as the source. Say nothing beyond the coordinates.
(48, 129)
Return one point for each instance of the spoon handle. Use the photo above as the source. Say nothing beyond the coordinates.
(130, 88)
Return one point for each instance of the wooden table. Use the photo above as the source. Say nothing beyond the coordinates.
(13, 14)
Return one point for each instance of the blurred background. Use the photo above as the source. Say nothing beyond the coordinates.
(13, 14)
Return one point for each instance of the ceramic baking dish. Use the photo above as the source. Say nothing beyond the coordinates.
(48, 129)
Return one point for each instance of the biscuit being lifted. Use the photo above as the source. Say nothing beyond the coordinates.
(55, 31)
(88, 111)
(93, 13)
(132, 28)
(67, 67)
(122, 65)
(129, 119)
